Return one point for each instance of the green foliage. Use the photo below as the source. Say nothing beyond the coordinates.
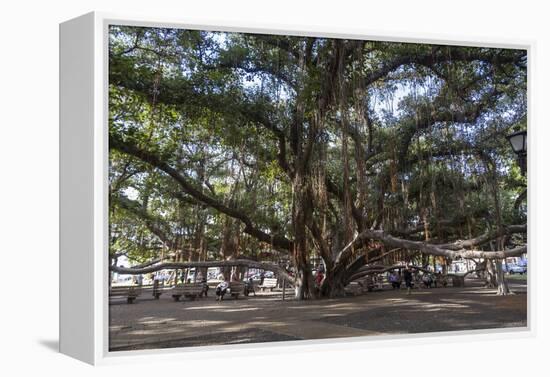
(426, 135)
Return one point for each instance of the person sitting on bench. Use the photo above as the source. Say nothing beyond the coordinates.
(221, 290)
(395, 280)
(440, 279)
(202, 280)
(427, 280)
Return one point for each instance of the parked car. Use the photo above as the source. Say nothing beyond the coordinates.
(516, 269)
(267, 275)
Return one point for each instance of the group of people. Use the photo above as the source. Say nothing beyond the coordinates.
(396, 280)
(223, 287)
(428, 280)
(201, 279)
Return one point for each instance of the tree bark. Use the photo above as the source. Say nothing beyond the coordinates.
(502, 284)
(491, 280)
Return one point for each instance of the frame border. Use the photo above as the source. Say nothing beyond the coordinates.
(101, 354)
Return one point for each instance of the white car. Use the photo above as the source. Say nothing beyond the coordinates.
(516, 269)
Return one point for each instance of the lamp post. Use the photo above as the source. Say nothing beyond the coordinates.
(518, 141)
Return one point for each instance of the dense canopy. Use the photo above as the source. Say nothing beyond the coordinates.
(304, 151)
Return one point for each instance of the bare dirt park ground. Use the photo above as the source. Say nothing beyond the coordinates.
(163, 323)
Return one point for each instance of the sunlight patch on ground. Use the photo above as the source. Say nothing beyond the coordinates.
(441, 305)
(267, 324)
(403, 301)
(491, 292)
(394, 300)
(333, 315)
(417, 293)
(233, 310)
(336, 306)
(456, 301)
(156, 322)
(216, 306)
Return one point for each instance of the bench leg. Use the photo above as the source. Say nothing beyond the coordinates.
(176, 297)
(130, 300)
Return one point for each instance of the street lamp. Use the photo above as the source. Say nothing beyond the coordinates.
(518, 140)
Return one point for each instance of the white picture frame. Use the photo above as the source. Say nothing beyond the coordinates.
(84, 188)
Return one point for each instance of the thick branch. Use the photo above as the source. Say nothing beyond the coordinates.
(489, 236)
(278, 241)
(438, 250)
(148, 268)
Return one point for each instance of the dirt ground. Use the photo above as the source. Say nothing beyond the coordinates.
(163, 323)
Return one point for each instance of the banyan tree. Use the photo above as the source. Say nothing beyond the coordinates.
(356, 153)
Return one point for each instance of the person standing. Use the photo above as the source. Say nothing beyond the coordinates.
(202, 280)
(408, 277)
(319, 277)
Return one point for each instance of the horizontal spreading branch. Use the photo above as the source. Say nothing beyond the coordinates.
(489, 236)
(448, 250)
(380, 269)
(146, 269)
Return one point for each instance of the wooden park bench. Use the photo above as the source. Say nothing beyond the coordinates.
(353, 289)
(374, 283)
(269, 283)
(129, 292)
(441, 281)
(457, 280)
(189, 290)
(236, 288)
(159, 289)
(250, 288)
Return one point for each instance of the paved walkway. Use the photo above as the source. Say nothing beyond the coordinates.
(164, 323)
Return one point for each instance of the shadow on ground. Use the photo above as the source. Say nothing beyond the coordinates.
(163, 323)
(52, 345)
(232, 337)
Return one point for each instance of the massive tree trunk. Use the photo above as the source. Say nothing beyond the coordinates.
(334, 284)
(491, 280)
(158, 265)
(502, 284)
(301, 213)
